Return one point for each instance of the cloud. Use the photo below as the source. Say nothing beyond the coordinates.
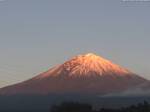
(141, 90)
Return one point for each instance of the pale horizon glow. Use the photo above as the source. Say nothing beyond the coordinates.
(36, 35)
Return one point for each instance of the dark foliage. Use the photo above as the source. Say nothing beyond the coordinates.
(72, 107)
(80, 107)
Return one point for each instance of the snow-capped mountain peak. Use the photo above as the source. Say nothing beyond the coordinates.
(91, 64)
(86, 73)
(86, 65)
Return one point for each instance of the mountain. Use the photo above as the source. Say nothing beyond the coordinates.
(83, 74)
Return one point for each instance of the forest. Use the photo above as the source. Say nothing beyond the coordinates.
(83, 107)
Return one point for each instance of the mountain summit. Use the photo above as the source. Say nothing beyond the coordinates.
(91, 64)
(89, 73)
(85, 66)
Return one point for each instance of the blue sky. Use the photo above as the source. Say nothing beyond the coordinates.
(38, 34)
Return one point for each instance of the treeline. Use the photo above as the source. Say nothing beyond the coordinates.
(82, 107)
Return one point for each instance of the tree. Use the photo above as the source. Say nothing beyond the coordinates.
(71, 107)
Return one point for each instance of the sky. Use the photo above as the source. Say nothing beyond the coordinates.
(36, 35)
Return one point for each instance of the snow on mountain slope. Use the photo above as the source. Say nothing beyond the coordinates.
(87, 65)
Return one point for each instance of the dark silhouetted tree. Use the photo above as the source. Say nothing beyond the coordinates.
(71, 107)
(80, 107)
